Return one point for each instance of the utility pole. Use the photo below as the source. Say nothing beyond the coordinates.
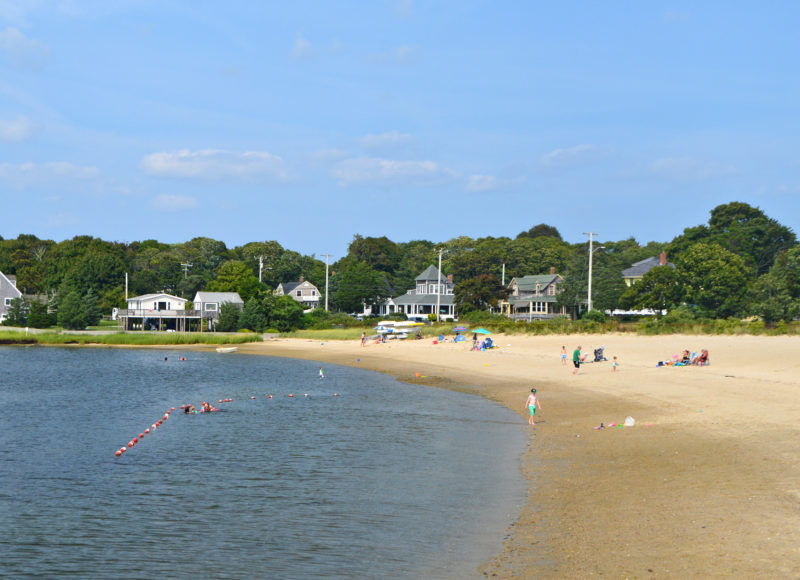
(591, 252)
(186, 270)
(439, 285)
(260, 267)
(327, 257)
(504, 276)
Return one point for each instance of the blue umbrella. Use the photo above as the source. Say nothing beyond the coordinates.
(481, 331)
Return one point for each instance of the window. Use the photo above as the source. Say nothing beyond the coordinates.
(299, 292)
(551, 291)
(8, 301)
(211, 307)
(313, 292)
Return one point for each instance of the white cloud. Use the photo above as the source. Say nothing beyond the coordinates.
(385, 140)
(689, 169)
(16, 130)
(366, 170)
(22, 51)
(172, 203)
(214, 164)
(403, 54)
(568, 156)
(324, 156)
(481, 183)
(32, 173)
(302, 49)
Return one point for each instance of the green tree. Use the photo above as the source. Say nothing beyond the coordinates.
(660, 288)
(235, 276)
(228, 320)
(541, 230)
(715, 280)
(776, 294)
(479, 293)
(356, 284)
(71, 312)
(253, 316)
(17, 313)
(92, 314)
(38, 316)
(285, 314)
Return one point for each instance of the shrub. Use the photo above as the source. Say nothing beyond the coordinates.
(593, 316)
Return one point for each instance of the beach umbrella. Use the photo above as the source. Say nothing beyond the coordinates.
(460, 329)
(481, 331)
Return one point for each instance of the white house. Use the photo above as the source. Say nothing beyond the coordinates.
(158, 311)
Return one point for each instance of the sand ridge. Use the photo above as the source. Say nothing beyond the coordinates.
(705, 484)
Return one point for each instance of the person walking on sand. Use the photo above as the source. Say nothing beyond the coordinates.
(563, 356)
(532, 403)
(363, 339)
(576, 360)
(614, 364)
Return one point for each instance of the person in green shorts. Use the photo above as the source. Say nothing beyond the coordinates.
(532, 403)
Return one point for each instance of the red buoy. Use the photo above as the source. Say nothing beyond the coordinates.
(123, 450)
(291, 395)
(147, 430)
(118, 453)
(130, 444)
(173, 408)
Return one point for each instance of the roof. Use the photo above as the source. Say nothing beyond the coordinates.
(528, 283)
(642, 267)
(288, 286)
(444, 299)
(156, 295)
(220, 297)
(430, 273)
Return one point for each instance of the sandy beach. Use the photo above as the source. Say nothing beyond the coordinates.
(704, 485)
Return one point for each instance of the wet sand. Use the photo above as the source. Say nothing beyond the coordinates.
(706, 484)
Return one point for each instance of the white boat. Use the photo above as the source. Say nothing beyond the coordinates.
(397, 326)
(226, 349)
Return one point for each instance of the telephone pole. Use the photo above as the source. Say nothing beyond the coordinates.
(591, 252)
(327, 257)
(186, 270)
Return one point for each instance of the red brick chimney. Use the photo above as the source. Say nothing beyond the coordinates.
(450, 278)
(301, 278)
(663, 258)
(552, 270)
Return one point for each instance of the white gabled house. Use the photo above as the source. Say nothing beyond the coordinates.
(157, 311)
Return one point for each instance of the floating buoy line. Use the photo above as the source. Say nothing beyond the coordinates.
(160, 422)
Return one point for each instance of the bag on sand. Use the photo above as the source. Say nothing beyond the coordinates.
(629, 421)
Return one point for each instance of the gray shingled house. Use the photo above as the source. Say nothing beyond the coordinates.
(8, 291)
(302, 291)
(533, 297)
(423, 298)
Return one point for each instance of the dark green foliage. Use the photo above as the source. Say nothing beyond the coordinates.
(253, 316)
(38, 316)
(235, 276)
(92, 314)
(539, 231)
(284, 314)
(715, 280)
(17, 312)
(71, 312)
(593, 316)
(356, 284)
(479, 293)
(660, 288)
(228, 320)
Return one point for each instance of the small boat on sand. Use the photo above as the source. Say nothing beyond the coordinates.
(226, 349)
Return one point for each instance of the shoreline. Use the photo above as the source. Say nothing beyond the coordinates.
(692, 490)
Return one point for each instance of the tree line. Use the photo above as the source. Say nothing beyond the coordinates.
(742, 262)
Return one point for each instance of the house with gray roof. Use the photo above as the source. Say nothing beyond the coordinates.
(8, 291)
(158, 311)
(639, 269)
(209, 304)
(533, 297)
(302, 291)
(431, 288)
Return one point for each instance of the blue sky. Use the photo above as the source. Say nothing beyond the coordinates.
(308, 122)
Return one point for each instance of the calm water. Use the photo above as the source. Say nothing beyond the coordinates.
(388, 480)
